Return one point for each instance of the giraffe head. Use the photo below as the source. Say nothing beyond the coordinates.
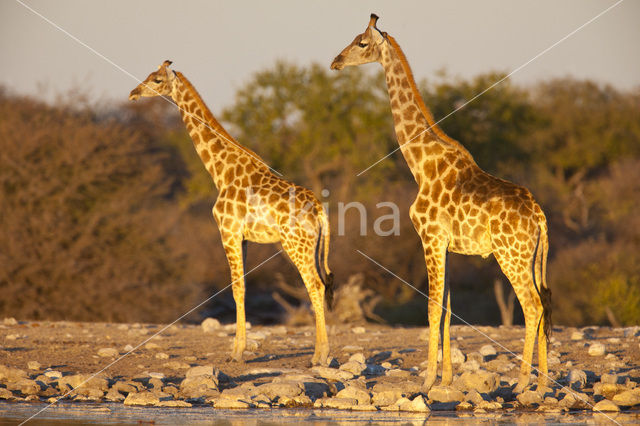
(365, 48)
(158, 83)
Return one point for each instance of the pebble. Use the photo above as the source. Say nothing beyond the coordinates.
(418, 404)
(487, 350)
(577, 335)
(358, 330)
(481, 381)
(107, 352)
(577, 378)
(162, 355)
(597, 349)
(354, 392)
(53, 374)
(33, 365)
(529, 398)
(128, 348)
(352, 348)
(354, 367)
(10, 321)
(210, 325)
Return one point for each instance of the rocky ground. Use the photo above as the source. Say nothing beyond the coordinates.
(373, 368)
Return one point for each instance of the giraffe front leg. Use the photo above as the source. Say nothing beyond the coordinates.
(236, 251)
(435, 260)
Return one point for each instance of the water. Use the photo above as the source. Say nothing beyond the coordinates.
(113, 413)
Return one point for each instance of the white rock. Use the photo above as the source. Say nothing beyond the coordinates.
(354, 367)
(210, 325)
(128, 348)
(487, 350)
(53, 374)
(162, 355)
(10, 321)
(33, 365)
(597, 349)
(457, 356)
(256, 335)
(358, 330)
(156, 375)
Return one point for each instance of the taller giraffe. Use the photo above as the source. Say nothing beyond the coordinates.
(252, 205)
(461, 209)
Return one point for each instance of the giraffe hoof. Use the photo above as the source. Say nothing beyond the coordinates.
(235, 358)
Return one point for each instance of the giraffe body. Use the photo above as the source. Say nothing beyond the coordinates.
(460, 208)
(253, 204)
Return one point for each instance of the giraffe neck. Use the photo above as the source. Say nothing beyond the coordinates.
(217, 149)
(414, 123)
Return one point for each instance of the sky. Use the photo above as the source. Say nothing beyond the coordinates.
(105, 48)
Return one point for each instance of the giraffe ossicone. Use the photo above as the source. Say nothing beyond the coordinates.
(253, 204)
(461, 209)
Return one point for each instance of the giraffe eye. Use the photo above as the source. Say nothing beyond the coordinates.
(157, 80)
(363, 45)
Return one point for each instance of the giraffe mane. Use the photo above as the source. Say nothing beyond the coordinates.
(423, 107)
(211, 120)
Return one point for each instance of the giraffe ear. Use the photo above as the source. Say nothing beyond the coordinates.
(166, 63)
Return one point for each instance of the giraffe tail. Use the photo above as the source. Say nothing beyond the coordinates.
(540, 274)
(322, 255)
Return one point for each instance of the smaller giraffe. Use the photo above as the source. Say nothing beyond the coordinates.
(252, 205)
(461, 209)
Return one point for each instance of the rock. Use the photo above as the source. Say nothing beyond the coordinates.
(489, 405)
(481, 381)
(6, 394)
(275, 391)
(210, 325)
(597, 349)
(142, 398)
(53, 374)
(200, 370)
(577, 335)
(575, 401)
(609, 378)
(10, 321)
(354, 367)
(338, 403)
(11, 374)
(445, 394)
(474, 397)
(457, 356)
(470, 365)
(398, 372)
(608, 390)
(386, 397)
(127, 348)
(24, 386)
(199, 386)
(606, 406)
(225, 403)
(152, 346)
(358, 357)
(464, 406)
(83, 383)
(577, 378)
(627, 398)
(332, 373)
(114, 396)
(354, 392)
(33, 365)
(107, 352)
(529, 398)
(176, 365)
(351, 348)
(162, 355)
(418, 404)
(127, 387)
(374, 370)
(488, 350)
(358, 330)
(256, 335)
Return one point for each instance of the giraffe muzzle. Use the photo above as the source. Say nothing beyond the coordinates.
(135, 94)
(337, 63)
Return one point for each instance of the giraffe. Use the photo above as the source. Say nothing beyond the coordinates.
(461, 209)
(253, 204)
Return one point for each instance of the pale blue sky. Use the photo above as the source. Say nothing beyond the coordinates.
(219, 44)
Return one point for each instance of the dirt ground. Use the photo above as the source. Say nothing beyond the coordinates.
(71, 347)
